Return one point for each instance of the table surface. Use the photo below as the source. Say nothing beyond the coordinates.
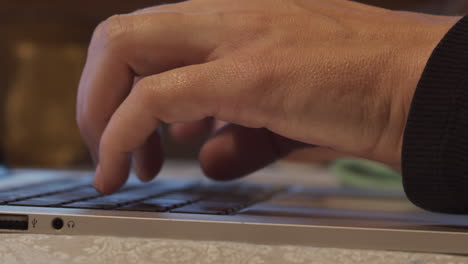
(16, 249)
(27, 248)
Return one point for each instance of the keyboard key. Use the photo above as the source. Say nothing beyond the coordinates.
(90, 205)
(103, 202)
(78, 194)
(36, 202)
(181, 196)
(230, 198)
(39, 190)
(59, 198)
(203, 207)
(154, 205)
(125, 197)
(159, 196)
(12, 196)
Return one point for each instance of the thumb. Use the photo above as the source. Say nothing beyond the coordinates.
(235, 151)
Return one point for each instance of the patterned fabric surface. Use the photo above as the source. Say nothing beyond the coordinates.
(19, 249)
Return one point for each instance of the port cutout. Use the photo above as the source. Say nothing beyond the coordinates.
(13, 222)
(57, 223)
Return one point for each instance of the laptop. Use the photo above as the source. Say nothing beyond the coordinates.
(264, 208)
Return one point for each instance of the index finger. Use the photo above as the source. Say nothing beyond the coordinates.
(126, 46)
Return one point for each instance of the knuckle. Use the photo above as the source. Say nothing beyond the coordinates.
(160, 94)
(256, 74)
(152, 94)
(249, 70)
(146, 89)
(252, 68)
(112, 29)
(177, 79)
(155, 94)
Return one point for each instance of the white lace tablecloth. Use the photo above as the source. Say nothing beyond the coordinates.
(39, 249)
(27, 249)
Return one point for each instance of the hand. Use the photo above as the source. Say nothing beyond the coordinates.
(284, 74)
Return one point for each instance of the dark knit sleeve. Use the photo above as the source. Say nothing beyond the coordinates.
(435, 141)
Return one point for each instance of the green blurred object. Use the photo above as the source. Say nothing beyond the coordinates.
(365, 174)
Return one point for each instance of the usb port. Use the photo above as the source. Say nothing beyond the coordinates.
(13, 222)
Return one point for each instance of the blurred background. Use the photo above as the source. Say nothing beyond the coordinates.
(42, 53)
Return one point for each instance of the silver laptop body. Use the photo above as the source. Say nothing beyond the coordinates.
(299, 214)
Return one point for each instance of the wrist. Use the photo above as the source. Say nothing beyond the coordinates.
(406, 69)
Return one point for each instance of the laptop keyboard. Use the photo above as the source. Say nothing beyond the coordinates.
(188, 197)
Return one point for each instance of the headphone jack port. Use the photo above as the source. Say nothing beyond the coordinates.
(57, 223)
